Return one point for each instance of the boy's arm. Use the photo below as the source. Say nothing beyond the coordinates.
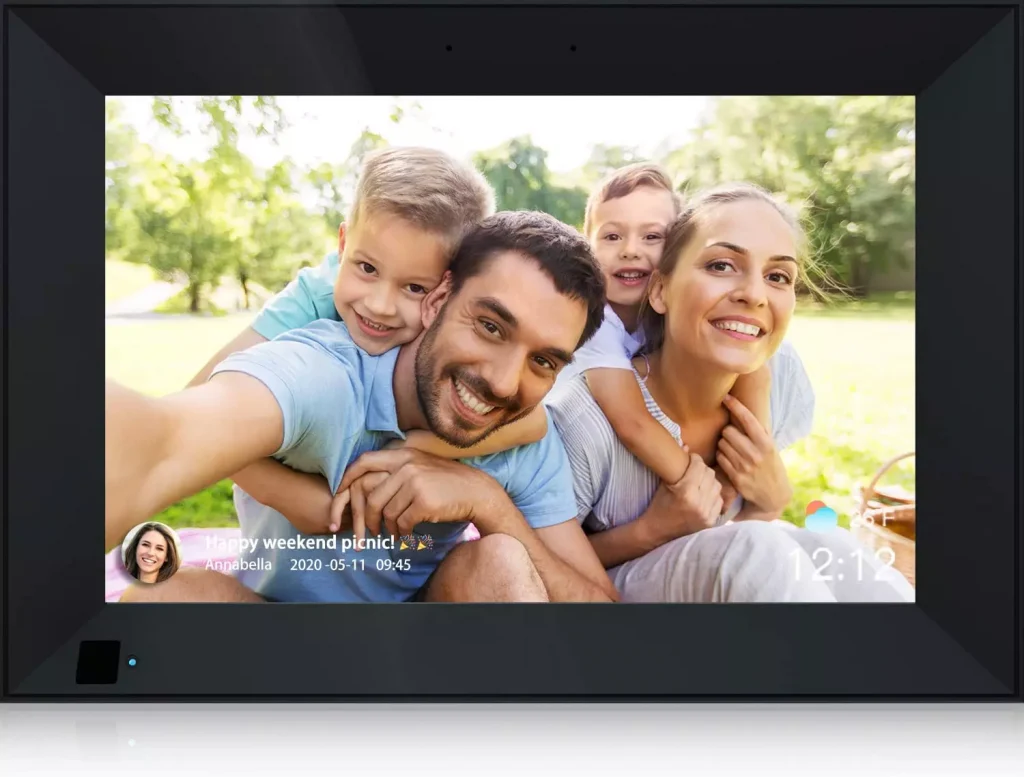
(301, 497)
(530, 428)
(159, 450)
(305, 299)
(247, 338)
(620, 399)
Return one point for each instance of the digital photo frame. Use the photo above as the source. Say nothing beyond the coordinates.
(959, 640)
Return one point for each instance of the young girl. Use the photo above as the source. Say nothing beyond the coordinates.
(627, 219)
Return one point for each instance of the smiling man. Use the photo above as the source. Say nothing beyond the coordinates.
(524, 292)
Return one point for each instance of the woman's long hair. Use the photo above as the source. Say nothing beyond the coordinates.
(171, 563)
(685, 226)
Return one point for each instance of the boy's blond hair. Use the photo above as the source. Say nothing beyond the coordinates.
(426, 187)
(625, 181)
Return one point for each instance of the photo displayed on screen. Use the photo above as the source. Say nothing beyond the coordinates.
(495, 349)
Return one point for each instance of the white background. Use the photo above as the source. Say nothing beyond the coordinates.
(324, 128)
(870, 740)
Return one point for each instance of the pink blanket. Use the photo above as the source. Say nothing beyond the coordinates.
(196, 550)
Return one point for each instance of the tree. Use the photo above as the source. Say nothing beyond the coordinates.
(335, 185)
(198, 219)
(519, 174)
(328, 182)
(279, 232)
(121, 148)
(367, 142)
(233, 217)
(222, 116)
(847, 163)
(604, 159)
(183, 224)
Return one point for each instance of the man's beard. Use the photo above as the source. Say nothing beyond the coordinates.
(429, 391)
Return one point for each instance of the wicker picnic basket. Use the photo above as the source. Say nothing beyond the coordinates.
(888, 519)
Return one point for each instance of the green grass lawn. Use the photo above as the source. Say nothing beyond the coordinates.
(863, 374)
(891, 306)
(859, 355)
(160, 356)
(125, 279)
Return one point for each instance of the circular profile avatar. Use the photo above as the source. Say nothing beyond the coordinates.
(151, 552)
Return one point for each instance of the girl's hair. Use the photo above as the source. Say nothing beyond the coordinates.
(685, 227)
(172, 561)
(625, 181)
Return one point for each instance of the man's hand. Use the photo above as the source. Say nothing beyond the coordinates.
(682, 508)
(747, 454)
(405, 487)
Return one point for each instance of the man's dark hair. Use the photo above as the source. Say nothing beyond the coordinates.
(562, 253)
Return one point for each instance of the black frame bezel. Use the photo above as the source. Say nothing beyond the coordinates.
(960, 640)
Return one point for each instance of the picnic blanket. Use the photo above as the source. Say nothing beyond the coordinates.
(198, 546)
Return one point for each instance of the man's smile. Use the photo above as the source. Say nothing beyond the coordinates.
(469, 405)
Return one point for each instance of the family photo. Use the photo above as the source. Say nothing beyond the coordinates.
(510, 349)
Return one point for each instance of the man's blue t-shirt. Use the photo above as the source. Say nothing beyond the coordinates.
(338, 403)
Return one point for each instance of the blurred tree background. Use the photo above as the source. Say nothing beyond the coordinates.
(213, 232)
(847, 163)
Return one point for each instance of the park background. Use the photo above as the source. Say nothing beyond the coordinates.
(214, 203)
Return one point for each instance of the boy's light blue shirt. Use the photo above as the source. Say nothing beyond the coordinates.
(337, 403)
(307, 298)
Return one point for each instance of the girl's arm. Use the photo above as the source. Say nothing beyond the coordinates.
(676, 510)
(748, 457)
(303, 498)
(620, 399)
(624, 543)
(530, 428)
(754, 391)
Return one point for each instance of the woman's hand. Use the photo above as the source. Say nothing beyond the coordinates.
(729, 492)
(682, 508)
(747, 455)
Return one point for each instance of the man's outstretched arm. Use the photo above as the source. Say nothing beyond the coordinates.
(160, 450)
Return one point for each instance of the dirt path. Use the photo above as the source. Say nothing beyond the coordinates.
(143, 301)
